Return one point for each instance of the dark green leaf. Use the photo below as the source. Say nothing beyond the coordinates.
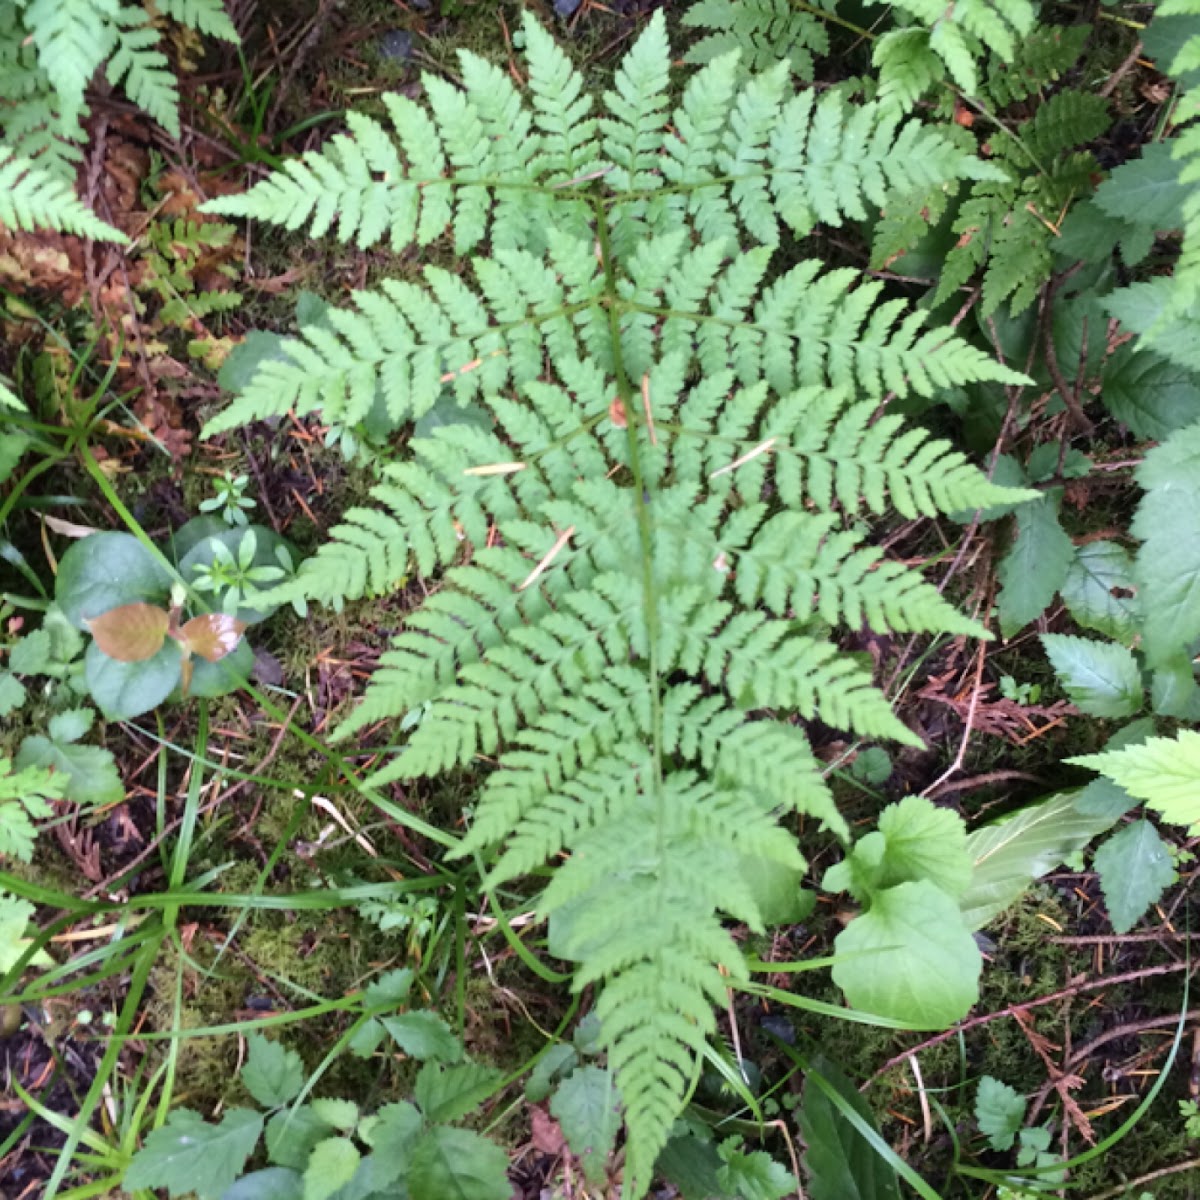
(273, 1074)
(1099, 591)
(391, 1133)
(556, 1062)
(1147, 190)
(105, 571)
(221, 678)
(1135, 868)
(1150, 394)
(587, 1109)
(842, 1164)
(1035, 566)
(188, 1155)
(753, 1176)
(455, 1164)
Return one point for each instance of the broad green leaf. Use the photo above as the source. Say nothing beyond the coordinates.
(1033, 570)
(1011, 853)
(842, 1164)
(273, 1183)
(456, 1164)
(587, 1109)
(1146, 190)
(423, 1035)
(1135, 868)
(691, 1163)
(105, 571)
(131, 633)
(331, 1166)
(213, 636)
(1174, 691)
(999, 1112)
(1163, 772)
(126, 690)
(221, 678)
(1168, 562)
(1101, 678)
(291, 1135)
(923, 841)
(910, 957)
(188, 1155)
(448, 1093)
(1150, 394)
(273, 1074)
(1099, 590)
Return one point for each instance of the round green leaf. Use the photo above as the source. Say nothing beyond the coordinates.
(105, 571)
(126, 690)
(910, 957)
(191, 534)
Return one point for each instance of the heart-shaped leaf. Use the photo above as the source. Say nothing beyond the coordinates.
(105, 571)
(131, 633)
(212, 636)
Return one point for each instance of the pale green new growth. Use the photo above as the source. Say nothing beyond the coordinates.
(30, 198)
(640, 490)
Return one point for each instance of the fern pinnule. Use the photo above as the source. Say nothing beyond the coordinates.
(31, 198)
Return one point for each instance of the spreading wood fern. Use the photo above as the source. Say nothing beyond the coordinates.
(644, 434)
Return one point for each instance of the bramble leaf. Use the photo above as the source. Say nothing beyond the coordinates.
(1135, 868)
(189, 1156)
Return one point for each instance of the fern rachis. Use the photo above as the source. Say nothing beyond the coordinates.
(659, 447)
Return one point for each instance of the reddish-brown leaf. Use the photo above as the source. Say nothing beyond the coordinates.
(212, 636)
(131, 633)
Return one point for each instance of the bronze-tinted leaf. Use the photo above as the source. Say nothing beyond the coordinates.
(130, 633)
(212, 636)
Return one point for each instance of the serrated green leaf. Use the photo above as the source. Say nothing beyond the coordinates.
(1135, 868)
(423, 1035)
(910, 957)
(189, 1156)
(456, 1164)
(389, 990)
(89, 773)
(32, 654)
(392, 1133)
(1168, 562)
(1100, 591)
(557, 1061)
(587, 1109)
(1147, 190)
(1149, 393)
(923, 841)
(754, 1175)
(448, 1093)
(15, 916)
(1101, 678)
(330, 1167)
(71, 725)
(1033, 570)
(1011, 853)
(273, 1074)
(1162, 772)
(999, 1112)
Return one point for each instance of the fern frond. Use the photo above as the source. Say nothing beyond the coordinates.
(72, 38)
(647, 503)
(762, 31)
(139, 65)
(207, 16)
(31, 198)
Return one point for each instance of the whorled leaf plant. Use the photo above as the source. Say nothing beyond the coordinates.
(655, 430)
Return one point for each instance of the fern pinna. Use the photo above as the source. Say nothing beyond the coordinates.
(654, 431)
